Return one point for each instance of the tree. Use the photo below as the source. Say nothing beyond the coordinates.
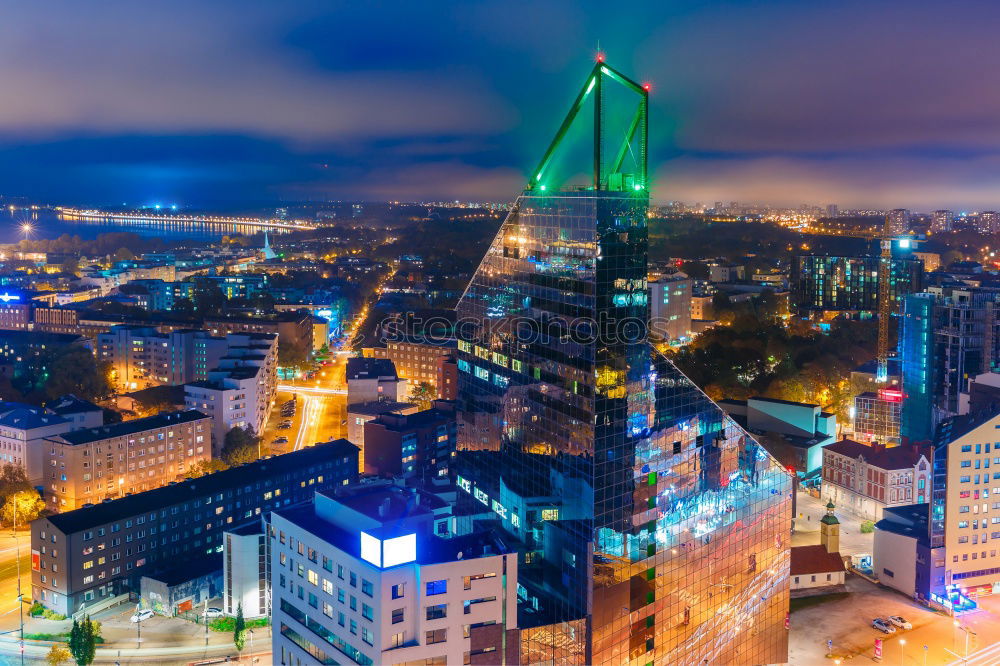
(203, 467)
(58, 655)
(74, 369)
(291, 355)
(239, 629)
(422, 393)
(124, 254)
(70, 265)
(241, 446)
(83, 641)
(22, 506)
(207, 296)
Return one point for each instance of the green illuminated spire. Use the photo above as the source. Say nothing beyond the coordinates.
(607, 175)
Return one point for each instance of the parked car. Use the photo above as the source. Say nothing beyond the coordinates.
(139, 616)
(280, 440)
(213, 612)
(883, 625)
(284, 425)
(899, 621)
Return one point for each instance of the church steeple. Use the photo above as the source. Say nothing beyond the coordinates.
(267, 251)
(829, 530)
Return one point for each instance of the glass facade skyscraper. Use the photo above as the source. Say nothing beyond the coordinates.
(651, 528)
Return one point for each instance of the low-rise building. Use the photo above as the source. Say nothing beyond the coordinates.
(94, 464)
(360, 414)
(372, 379)
(360, 576)
(865, 479)
(819, 569)
(793, 432)
(878, 415)
(91, 556)
(418, 444)
(901, 550)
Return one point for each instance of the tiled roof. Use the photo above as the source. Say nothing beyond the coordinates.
(814, 560)
(896, 457)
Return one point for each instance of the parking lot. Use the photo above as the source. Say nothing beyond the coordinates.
(846, 620)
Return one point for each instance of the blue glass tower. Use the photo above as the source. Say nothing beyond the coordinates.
(651, 528)
(916, 347)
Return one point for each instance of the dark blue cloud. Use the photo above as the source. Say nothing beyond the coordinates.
(220, 103)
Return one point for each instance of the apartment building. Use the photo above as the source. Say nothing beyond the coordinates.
(867, 478)
(294, 328)
(416, 361)
(23, 430)
(142, 356)
(91, 555)
(91, 465)
(239, 392)
(359, 576)
(964, 512)
(670, 306)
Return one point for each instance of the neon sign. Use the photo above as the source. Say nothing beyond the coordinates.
(7, 297)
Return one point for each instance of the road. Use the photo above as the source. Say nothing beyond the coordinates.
(321, 409)
(9, 618)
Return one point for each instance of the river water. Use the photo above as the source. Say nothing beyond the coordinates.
(47, 224)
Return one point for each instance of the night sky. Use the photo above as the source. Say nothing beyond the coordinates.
(860, 103)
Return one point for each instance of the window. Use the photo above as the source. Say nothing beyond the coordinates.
(354, 579)
(313, 577)
(437, 612)
(366, 612)
(397, 591)
(468, 579)
(367, 587)
(469, 603)
(436, 636)
(397, 615)
(396, 640)
(437, 587)
(354, 627)
(367, 636)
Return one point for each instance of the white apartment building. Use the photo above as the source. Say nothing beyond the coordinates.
(359, 576)
(239, 392)
(371, 379)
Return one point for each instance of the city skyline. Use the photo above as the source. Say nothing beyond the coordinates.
(210, 106)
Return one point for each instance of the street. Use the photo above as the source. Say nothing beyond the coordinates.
(320, 411)
(809, 511)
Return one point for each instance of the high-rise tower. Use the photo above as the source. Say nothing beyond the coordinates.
(651, 528)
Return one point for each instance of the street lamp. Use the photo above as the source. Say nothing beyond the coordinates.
(967, 632)
(250, 633)
(902, 642)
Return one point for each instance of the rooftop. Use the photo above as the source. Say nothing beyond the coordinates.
(377, 407)
(70, 404)
(908, 520)
(814, 560)
(26, 417)
(161, 420)
(370, 368)
(958, 426)
(896, 457)
(159, 498)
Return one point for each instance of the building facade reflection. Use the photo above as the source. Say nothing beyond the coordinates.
(651, 528)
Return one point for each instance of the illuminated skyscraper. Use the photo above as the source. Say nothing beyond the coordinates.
(650, 527)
